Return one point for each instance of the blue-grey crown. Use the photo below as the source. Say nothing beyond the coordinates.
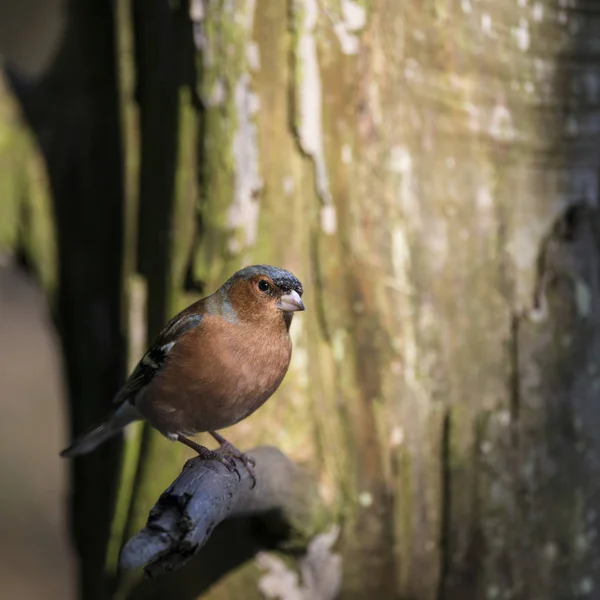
(283, 279)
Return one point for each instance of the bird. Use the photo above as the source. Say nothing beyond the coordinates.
(212, 365)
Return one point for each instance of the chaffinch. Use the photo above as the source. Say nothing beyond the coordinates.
(212, 365)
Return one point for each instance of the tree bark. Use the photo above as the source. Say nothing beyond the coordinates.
(424, 169)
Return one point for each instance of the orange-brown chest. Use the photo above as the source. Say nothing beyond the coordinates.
(216, 376)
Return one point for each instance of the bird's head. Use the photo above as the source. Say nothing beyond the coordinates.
(264, 292)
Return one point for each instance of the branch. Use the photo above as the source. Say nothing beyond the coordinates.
(206, 493)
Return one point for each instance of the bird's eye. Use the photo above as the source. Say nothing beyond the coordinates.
(263, 285)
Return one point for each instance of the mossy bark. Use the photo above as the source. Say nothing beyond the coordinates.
(403, 161)
(26, 221)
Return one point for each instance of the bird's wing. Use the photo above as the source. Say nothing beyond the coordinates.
(155, 357)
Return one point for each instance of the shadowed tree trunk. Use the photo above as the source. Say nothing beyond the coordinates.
(430, 172)
(73, 110)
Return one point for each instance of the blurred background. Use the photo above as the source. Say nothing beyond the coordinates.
(428, 169)
(36, 558)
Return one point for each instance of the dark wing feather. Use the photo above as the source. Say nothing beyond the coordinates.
(154, 359)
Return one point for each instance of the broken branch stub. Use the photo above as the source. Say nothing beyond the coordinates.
(206, 493)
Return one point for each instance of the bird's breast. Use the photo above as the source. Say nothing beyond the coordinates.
(214, 380)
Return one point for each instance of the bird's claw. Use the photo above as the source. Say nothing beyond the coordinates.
(229, 449)
(224, 459)
(229, 462)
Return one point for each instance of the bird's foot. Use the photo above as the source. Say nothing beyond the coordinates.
(229, 449)
(223, 458)
(204, 453)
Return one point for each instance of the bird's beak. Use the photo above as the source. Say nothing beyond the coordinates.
(290, 302)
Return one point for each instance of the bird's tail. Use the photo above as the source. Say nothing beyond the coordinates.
(90, 440)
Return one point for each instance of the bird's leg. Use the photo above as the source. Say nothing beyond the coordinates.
(230, 449)
(207, 454)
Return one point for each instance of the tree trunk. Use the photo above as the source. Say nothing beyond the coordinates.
(429, 171)
(73, 109)
(425, 170)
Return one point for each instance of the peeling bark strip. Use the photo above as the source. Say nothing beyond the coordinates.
(243, 212)
(206, 493)
(308, 120)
